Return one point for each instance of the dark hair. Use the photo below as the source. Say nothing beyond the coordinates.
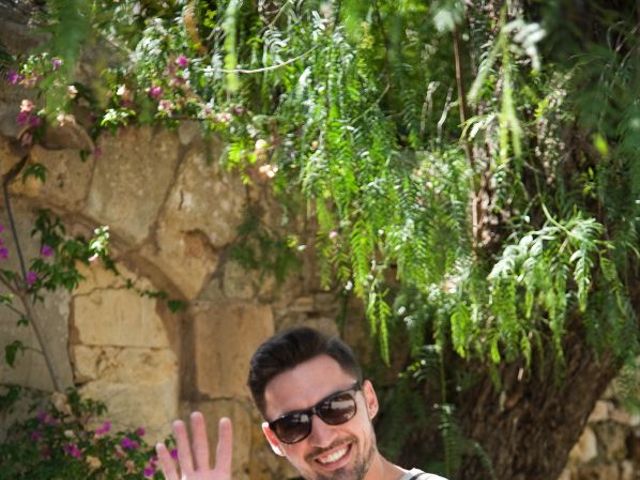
(287, 349)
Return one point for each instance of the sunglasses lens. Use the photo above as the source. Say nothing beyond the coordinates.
(292, 428)
(338, 409)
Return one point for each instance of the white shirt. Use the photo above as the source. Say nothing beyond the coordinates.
(420, 475)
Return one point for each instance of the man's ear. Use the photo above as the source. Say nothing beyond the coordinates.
(370, 398)
(272, 439)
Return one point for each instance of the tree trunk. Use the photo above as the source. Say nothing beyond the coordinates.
(528, 431)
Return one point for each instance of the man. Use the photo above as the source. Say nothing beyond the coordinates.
(318, 414)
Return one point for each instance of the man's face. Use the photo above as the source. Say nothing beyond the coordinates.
(330, 452)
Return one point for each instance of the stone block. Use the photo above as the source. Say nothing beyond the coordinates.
(123, 365)
(587, 447)
(118, 318)
(68, 179)
(202, 213)
(226, 335)
(238, 282)
(206, 198)
(611, 440)
(600, 412)
(148, 404)
(131, 179)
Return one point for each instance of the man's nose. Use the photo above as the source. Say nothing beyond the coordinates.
(322, 434)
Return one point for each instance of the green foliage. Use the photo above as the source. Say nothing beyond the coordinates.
(69, 438)
(489, 234)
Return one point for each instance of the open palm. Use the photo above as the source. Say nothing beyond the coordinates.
(193, 461)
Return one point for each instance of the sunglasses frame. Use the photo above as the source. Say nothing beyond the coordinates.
(310, 412)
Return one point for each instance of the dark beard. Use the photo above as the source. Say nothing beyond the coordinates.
(358, 472)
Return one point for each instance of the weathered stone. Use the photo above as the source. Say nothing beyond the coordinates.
(238, 281)
(68, 178)
(131, 180)
(97, 277)
(611, 440)
(206, 199)
(225, 338)
(150, 403)
(188, 131)
(624, 417)
(302, 304)
(565, 475)
(119, 317)
(605, 471)
(586, 448)
(627, 470)
(202, 214)
(51, 316)
(600, 412)
(124, 365)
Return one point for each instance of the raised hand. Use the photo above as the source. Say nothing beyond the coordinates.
(193, 460)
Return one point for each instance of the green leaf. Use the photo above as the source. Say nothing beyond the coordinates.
(11, 351)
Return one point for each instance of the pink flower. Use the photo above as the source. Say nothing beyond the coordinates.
(155, 91)
(34, 121)
(56, 63)
(23, 118)
(140, 431)
(72, 450)
(182, 61)
(14, 77)
(129, 444)
(105, 428)
(32, 277)
(165, 106)
(149, 471)
(4, 253)
(46, 251)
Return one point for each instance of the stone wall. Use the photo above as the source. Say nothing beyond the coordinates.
(173, 214)
(609, 447)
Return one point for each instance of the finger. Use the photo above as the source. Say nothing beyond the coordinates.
(167, 464)
(200, 442)
(184, 450)
(224, 448)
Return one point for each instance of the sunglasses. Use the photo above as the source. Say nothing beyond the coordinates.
(336, 409)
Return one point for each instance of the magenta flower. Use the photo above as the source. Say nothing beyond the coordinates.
(105, 428)
(72, 450)
(36, 435)
(155, 91)
(129, 444)
(182, 61)
(56, 63)
(149, 471)
(23, 118)
(34, 121)
(14, 77)
(1, 228)
(32, 277)
(46, 250)
(140, 431)
(174, 453)
(4, 253)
